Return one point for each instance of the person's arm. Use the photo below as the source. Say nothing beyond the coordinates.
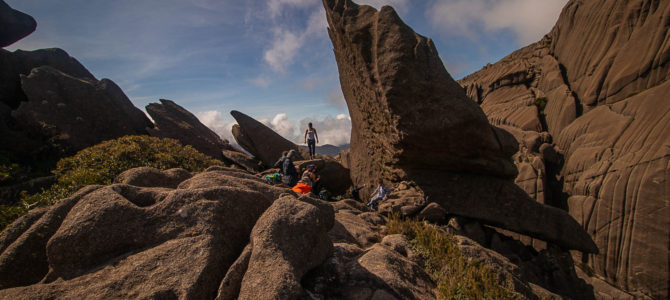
(317, 136)
(306, 136)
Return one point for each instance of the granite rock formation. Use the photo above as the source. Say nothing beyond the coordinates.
(262, 142)
(411, 121)
(21, 62)
(173, 121)
(14, 25)
(599, 80)
(77, 111)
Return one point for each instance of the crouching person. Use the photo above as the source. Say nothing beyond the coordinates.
(307, 181)
(381, 193)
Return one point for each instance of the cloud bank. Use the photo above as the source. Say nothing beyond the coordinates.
(528, 19)
(333, 130)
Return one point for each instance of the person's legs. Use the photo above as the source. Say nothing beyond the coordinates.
(373, 201)
(311, 144)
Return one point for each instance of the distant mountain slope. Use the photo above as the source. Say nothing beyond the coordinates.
(329, 149)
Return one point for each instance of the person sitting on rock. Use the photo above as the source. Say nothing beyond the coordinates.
(288, 170)
(311, 139)
(381, 193)
(308, 179)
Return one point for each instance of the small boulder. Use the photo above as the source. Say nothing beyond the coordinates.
(287, 241)
(152, 177)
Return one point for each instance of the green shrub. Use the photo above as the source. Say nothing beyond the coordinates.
(456, 276)
(541, 104)
(101, 163)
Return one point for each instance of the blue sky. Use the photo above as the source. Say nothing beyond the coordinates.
(271, 59)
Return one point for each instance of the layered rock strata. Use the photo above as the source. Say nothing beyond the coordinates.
(599, 80)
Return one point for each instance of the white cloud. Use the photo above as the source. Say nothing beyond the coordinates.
(282, 125)
(401, 6)
(287, 43)
(331, 130)
(284, 48)
(275, 7)
(261, 81)
(215, 121)
(528, 19)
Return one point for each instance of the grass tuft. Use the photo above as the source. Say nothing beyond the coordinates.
(101, 163)
(456, 276)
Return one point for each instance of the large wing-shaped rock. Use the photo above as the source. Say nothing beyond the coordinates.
(412, 121)
(261, 141)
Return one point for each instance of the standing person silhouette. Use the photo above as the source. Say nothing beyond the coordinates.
(311, 139)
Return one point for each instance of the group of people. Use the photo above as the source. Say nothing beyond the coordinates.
(310, 181)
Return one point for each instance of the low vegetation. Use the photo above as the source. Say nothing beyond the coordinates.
(101, 163)
(541, 104)
(456, 276)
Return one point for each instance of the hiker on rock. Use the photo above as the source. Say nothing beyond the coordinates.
(311, 139)
(308, 180)
(288, 169)
(381, 193)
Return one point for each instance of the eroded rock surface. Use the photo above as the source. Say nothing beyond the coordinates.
(123, 241)
(77, 111)
(600, 76)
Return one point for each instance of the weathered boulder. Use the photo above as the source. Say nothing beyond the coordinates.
(351, 228)
(76, 111)
(173, 121)
(334, 177)
(381, 268)
(411, 121)
(123, 241)
(241, 159)
(152, 177)
(262, 142)
(14, 25)
(21, 62)
(286, 242)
